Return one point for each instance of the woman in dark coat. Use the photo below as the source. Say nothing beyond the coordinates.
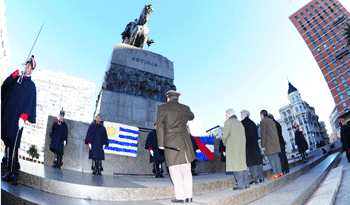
(301, 142)
(59, 138)
(156, 156)
(97, 139)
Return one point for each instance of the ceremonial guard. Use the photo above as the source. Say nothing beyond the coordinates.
(301, 142)
(156, 155)
(18, 104)
(59, 137)
(97, 139)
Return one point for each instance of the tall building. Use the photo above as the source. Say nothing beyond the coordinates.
(4, 48)
(321, 24)
(334, 120)
(54, 92)
(301, 113)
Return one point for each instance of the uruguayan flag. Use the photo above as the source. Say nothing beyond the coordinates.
(209, 144)
(122, 139)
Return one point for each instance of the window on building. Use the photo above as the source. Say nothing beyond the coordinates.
(344, 105)
(301, 107)
(296, 109)
(307, 129)
(293, 99)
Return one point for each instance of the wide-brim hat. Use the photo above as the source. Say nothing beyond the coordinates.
(172, 93)
(32, 62)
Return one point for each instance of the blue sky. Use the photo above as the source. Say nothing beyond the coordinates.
(226, 54)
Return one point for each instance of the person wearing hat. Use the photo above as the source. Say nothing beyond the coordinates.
(18, 105)
(97, 139)
(59, 136)
(300, 141)
(156, 155)
(173, 137)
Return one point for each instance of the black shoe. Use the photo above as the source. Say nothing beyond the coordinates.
(247, 187)
(177, 201)
(237, 188)
(188, 200)
(194, 174)
(13, 179)
(252, 182)
(6, 177)
(259, 181)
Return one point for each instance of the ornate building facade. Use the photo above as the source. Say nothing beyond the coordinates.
(301, 113)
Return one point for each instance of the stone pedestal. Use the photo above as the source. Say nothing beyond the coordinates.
(135, 83)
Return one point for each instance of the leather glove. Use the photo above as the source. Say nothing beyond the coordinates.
(64, 143)
(20, 123)
(90, 146)
(151, 152)
(224, 153)
(59, 117)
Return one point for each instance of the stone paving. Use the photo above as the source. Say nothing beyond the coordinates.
(343, 196)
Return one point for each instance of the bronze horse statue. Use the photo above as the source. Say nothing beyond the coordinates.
(136, 33)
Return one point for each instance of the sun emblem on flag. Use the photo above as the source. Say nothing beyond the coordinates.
(111, 131)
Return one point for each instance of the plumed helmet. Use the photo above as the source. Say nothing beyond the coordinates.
(32, 62)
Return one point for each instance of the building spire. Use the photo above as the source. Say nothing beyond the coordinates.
(291, 88)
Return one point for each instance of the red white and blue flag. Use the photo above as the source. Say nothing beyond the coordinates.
(206, 148)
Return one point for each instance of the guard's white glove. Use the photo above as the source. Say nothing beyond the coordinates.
(20, 123)
(104, 146)
(151, 152)
(59, 117)
(89, 146)
(224, 153)
(64, 143)
(22, 70)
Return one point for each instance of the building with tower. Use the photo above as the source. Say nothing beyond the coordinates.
(321, 24)
(301, 113)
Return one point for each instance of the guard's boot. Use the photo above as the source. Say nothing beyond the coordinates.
(154, 169)
(193, 169)
(157, 170)
(13, 179)
(59, 161)
(95, 167)
(92, 164)
(16, 165)
(161, 170)
(55, 162)
(99, 167)
(7, 176)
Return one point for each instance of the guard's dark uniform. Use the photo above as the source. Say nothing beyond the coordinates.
(58, 135)
(97, 137)
(158, 155)
(18, 100)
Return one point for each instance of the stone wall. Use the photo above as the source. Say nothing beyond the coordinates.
(76, 154)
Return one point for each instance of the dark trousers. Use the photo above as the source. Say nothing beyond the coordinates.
(242, 178)
(284, 162)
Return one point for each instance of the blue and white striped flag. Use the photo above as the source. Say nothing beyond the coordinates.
(209, 144)
(122, 139)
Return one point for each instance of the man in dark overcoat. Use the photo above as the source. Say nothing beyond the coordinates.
(97, 139)
(172, 118)
(195, 148)
(18, 105)
(282, 154)
(345, 137)
(254, 158)
(270, 144)
(301, 142)
(59, 138)
(156, 156)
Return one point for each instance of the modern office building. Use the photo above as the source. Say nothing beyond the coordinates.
(54, 92)
(301, 113)
(321, 24)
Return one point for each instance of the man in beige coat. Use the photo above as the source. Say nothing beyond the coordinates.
(234, 139)
(270, 143)
(172, 134)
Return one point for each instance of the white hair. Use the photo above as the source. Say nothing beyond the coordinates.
(246, 113)
(230, 112)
